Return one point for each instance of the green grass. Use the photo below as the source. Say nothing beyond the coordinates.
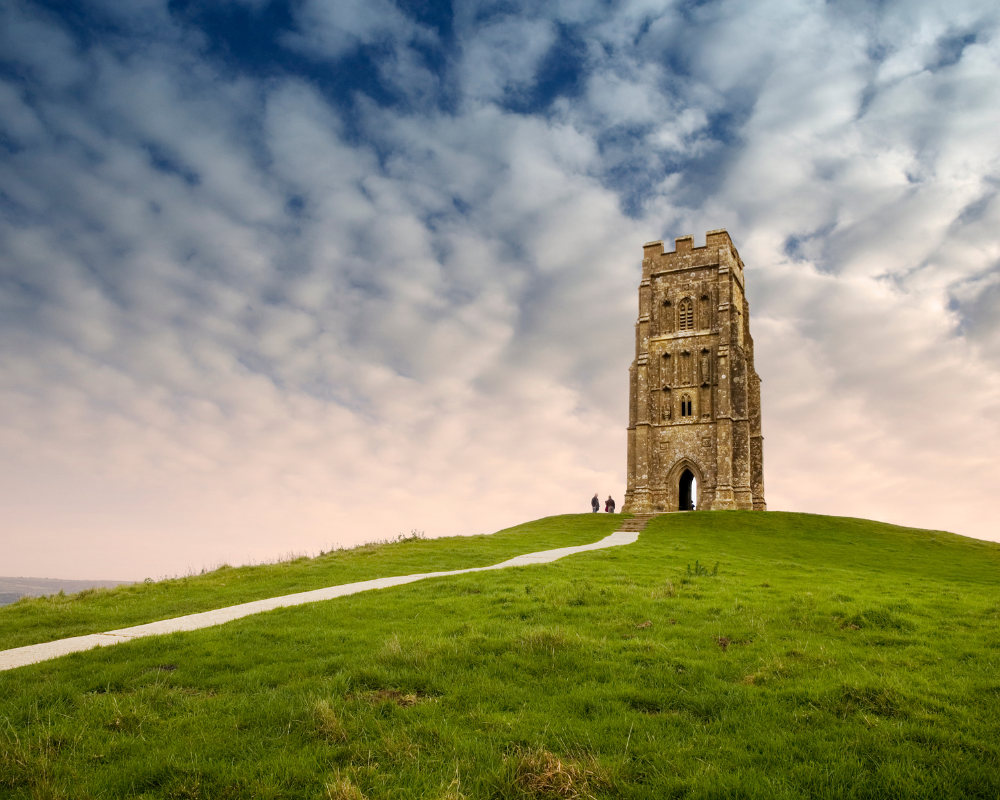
(32, 620)
(827, 657)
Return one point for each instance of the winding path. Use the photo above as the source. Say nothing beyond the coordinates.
(33, 653)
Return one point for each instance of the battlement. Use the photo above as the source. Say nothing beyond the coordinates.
(685, 244)
(718, 247)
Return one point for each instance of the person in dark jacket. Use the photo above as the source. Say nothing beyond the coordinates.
(609, 506)
(595, 503)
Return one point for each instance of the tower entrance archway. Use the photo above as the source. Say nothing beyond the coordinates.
(685, 494)
(684, 487)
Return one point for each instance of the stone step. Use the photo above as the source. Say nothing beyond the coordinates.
(636, 523)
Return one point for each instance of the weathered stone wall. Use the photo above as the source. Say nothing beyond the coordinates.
(694, 396)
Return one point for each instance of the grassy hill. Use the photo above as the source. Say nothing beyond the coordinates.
(725, 654)
(58, 616)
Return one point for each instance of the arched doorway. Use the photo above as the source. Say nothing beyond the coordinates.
(686, 495)
(684, 484)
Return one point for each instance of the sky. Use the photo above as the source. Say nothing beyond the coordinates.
(283, 275)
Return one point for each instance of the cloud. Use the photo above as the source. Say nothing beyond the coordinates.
(242, 314)
(503, 56)
(329, 30)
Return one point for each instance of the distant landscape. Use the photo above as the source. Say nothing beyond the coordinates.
(13, 589)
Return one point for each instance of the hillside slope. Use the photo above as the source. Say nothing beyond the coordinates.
(59, 616)
(821, 657)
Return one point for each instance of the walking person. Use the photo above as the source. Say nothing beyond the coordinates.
(609, 505)
(595, 503)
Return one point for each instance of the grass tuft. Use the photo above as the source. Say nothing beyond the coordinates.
(394, 696)
(340, 787)
(328, 724)
(544, 775)
(542, 640)
(453, 791)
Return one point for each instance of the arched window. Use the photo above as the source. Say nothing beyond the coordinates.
(685, 315)
(686, 410)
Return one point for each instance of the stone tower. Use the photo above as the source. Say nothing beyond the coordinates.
(694, 400)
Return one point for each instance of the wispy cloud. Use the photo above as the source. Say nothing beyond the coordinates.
(276, 276)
